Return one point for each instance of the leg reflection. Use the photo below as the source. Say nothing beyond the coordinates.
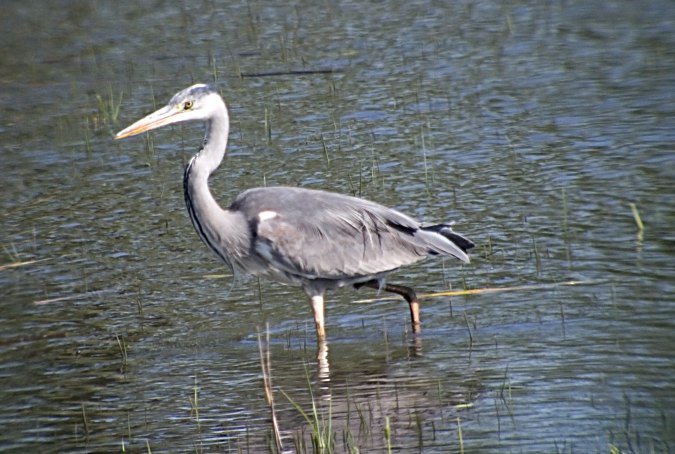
(415, 345)
(323, 367)
(323, 384)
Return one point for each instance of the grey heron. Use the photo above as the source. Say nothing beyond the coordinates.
(314, 239)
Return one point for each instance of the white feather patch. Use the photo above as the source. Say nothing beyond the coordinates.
(265, 215)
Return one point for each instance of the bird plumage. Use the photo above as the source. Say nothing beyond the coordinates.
(316, 239)
(322, 235)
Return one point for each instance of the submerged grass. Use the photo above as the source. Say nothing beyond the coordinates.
(268, 125)
(362, 427)
(194, 404)
(323, 439)
(85, 421)
(266, 366)
(387, 434)
(325, 150)
(636, 217)
(428, 176)
(123, 353)
(109, 107)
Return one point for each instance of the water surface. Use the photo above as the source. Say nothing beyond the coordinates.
(533, 126)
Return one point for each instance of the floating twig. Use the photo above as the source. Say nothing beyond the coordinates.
(479, 291)
(72, 297)
(18, 264)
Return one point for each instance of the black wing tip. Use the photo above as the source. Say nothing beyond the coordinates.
(460, 241)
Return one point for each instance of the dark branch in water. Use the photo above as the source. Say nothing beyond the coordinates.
(300, 72)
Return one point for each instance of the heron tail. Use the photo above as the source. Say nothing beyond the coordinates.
(459, 243)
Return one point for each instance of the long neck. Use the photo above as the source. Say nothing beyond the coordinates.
(213, 224)
(215, 143)
(201, 203)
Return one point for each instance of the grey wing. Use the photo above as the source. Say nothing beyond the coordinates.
(316, 234)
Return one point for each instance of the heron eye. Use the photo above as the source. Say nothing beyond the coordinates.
(187, 105)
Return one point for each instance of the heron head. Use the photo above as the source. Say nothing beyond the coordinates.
(196, 103)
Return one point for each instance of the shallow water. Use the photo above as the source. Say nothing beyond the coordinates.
(533, 126)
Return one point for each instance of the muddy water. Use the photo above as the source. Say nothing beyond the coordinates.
(533, 126)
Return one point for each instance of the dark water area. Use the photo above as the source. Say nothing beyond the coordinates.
(534, 126)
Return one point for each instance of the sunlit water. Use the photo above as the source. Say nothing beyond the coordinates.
(534, 127)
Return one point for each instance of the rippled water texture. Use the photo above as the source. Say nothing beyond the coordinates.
(533, 125)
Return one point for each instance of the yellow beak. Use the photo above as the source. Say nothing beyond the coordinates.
(164, 116)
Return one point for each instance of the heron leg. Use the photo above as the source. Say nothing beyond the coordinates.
(407, 293)
(317, 308)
